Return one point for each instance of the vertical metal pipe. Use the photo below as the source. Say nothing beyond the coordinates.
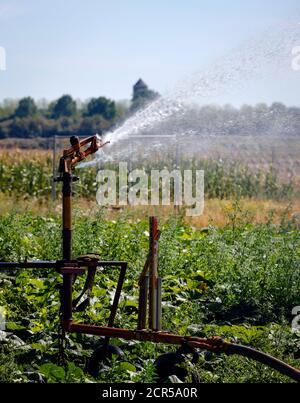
(143, 303)
(54, 169)
(67, 216)
(153, 273)
(67, 300)
(159, 305)
(66, 246)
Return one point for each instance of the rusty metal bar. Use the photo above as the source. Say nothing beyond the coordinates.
(159, 304)
(54, 169)
(66, 300)
(67, 215)
(213, 344)
(145, 269)
(115, 304)
(143, 303)
(126, 334)
(153, 273)
(148, 260)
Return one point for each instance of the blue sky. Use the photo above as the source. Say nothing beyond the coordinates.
(94, 47)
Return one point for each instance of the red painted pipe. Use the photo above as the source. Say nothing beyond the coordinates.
(214, 344)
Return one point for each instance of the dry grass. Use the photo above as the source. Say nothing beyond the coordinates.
(17, 155)
(216, 212)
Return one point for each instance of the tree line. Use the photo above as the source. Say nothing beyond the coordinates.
(29, 119)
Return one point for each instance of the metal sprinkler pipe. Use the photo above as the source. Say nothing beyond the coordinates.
(153, 274)
(67, 215)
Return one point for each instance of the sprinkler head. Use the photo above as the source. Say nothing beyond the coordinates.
(74, 140)
(80, 150)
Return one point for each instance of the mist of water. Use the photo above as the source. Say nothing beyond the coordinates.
(264, 55)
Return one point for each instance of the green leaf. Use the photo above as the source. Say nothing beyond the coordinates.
(126, 366)
(14, 326)
(53, 372)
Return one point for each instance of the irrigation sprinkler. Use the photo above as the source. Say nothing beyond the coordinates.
(149, 326)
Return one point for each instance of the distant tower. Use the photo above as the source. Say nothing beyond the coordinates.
(139, 89)
(141, 95)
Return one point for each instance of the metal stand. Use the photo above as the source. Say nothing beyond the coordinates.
(150, 285)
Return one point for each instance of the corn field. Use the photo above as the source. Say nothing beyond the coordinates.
(30, 174)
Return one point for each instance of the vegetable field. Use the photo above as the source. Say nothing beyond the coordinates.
(240, 282)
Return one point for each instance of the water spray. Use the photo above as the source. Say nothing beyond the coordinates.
(265, 54)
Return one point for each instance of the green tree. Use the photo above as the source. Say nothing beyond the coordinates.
(26, 108)
(122, 109)
(64, 106)
(26, 128)
(102, 106)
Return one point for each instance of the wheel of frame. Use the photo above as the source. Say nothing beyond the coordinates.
(171, 364)
(103, 354)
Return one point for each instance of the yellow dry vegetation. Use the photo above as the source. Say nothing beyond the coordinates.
(216, 212)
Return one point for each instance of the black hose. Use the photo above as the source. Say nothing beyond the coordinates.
(280, 366)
